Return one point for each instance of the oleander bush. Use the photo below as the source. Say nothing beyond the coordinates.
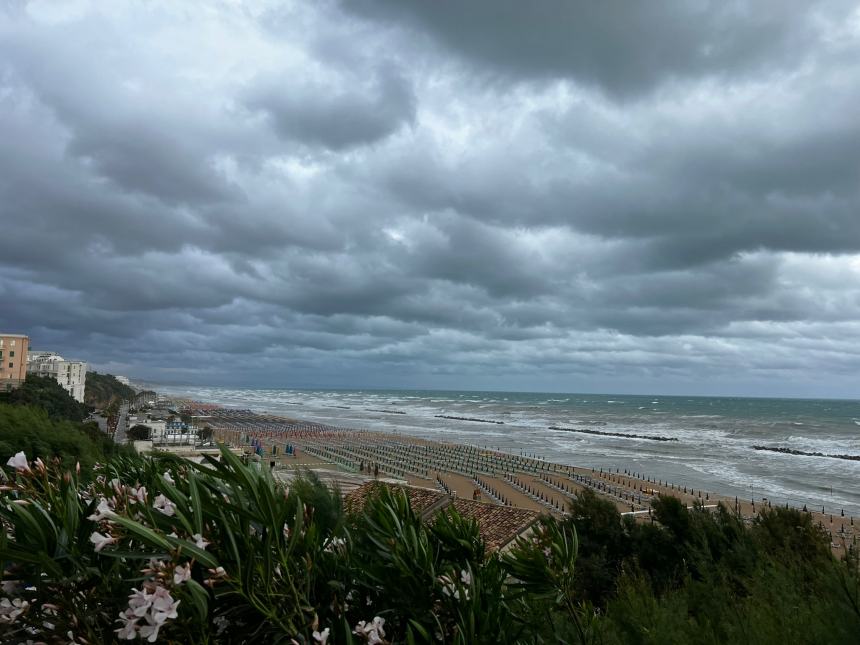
(165, 550)
(220, 553)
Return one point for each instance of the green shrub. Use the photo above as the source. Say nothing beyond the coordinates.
(220, 552)
(103, 390)
(32, 430)
(45, 393)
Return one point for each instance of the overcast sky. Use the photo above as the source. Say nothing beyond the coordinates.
(657, 197)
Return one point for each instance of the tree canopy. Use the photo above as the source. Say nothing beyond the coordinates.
(32, 430)
(104, 389)
(45, 393)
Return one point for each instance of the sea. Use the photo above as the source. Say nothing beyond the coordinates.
(712, 448)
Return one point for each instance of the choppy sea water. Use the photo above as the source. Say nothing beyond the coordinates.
(713, 451)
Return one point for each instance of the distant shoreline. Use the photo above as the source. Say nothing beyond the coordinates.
(525, 481)
(705, 442)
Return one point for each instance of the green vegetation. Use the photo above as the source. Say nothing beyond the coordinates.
(696, 576)
(221, 553)
(44, 421)
(32, 430)
(44, 392)
(103, 390)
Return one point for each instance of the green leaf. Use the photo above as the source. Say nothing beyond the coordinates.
(33, 528)
(237, 558)
(196, 506)
(147, 535)
(200, 599)
(134, 555)
(196, 552)
(414, 624)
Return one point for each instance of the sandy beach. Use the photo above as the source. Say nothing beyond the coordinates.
(518, 480)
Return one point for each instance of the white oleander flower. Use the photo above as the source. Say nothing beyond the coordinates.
(465, 577)
(19, 462)
(129, 628)
(321, 637)
(449, 587)
(377, 625)
(181, 574)
(154, 608)
(199, 541)
(168, 478)
(372, 632)
(103, 511)
(139, 602)
(137, 494)
(149, 631)
(334, 544)
(163, 605)
(101, 541)
(164, 505)
(11, 609)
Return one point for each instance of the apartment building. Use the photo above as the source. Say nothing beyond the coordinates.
(13, 360)
(72, 375)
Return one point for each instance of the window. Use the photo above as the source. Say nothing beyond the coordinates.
(12, 354)
(11, 365)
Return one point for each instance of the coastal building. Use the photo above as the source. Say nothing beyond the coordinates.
(179, 432)
(72, 375)
(157, 427)
(165, 430)
(13, 360)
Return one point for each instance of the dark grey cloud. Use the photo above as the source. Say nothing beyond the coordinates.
(624, 48)
(341, 114)
(557, 196)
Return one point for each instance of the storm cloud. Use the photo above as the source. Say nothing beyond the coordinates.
(626, 197)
